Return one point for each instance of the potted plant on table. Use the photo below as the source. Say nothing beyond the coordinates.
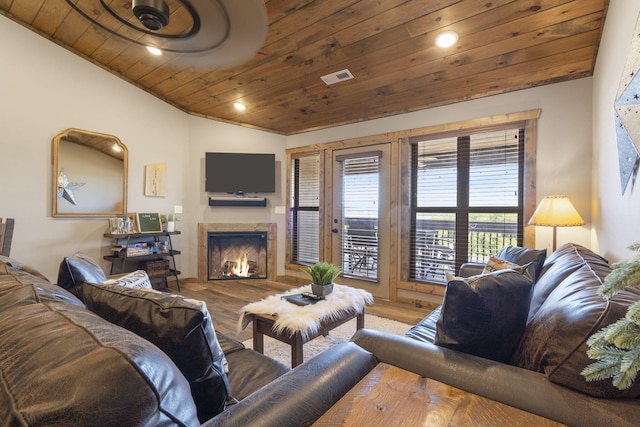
(322, 275)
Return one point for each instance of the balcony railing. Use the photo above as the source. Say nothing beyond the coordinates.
(434, 249)
(433, 253)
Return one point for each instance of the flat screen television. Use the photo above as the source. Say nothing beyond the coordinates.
(240, 173)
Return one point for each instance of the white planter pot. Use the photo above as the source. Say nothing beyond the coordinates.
(171, 226)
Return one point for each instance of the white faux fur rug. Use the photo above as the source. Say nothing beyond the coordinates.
(282, 352)
(306, 319)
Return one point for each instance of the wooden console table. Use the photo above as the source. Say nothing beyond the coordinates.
(263, 325)
(394, 397)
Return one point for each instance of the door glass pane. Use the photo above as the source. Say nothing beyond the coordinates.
(360, 217)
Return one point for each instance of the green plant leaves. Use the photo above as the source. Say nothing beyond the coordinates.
(323, 273)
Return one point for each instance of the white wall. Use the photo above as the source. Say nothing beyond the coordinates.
(615, 216)
(564, 141)
(46, 89)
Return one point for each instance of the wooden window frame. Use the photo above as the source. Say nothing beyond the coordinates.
(401, 289)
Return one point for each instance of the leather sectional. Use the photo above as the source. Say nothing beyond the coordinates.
(62, 364)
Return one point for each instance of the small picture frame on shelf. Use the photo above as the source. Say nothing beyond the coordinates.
(149, 222)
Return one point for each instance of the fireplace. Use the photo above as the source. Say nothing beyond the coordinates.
(236, 255)
(216, 261)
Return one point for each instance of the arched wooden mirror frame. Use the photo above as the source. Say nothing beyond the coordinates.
(94, 166)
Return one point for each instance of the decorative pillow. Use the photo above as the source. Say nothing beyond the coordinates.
(76, 269)
(522, 256)
(451, 277)
(486, 315)
(178, 327)
(209, 330)
(495, 264)
(135, 279)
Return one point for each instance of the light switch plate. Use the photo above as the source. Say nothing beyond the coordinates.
(177, 209)
(280, 209)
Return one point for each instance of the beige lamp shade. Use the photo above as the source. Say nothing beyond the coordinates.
(556, 211)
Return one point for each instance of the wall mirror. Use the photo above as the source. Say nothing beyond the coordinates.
(89, 174)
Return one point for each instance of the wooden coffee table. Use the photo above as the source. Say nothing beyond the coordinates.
(263, 325)
(394, 397)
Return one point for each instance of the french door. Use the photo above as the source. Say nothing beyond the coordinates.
(360, 216)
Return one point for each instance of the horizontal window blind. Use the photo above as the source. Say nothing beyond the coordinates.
(304, 215)
(360, 213)
(467, 200)
(493, 169)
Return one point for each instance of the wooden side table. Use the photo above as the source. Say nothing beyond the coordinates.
(263, 325)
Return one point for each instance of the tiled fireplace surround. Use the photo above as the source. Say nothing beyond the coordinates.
(205, 228)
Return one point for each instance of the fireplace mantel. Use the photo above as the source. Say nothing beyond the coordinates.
(205, 228)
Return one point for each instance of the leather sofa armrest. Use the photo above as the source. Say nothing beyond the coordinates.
(469, 269)
(517, 387)
(299, 397)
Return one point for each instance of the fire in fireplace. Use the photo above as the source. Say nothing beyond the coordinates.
(234, 255)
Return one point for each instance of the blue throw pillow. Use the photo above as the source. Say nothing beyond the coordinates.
(522, 256)
(486, 315)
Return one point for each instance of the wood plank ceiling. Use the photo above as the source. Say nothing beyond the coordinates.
(388, 45)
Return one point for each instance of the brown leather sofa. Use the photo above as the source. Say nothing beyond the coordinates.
(542, 376)
(45, 372)
(62, 364)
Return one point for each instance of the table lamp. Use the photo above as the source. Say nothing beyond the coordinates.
(556, 211)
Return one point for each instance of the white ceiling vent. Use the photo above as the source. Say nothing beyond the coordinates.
(336, 77)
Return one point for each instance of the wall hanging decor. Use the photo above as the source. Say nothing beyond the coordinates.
(627, 114)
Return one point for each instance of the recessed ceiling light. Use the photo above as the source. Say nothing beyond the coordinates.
(446, 39)
(154, 50)
(239, 106)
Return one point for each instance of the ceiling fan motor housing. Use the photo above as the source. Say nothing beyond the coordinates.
(153, 14)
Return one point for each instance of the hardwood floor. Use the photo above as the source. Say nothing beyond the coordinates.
(225, 298)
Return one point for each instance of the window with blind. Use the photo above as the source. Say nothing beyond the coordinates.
(467, 199)
(360, 183)
(304, 214)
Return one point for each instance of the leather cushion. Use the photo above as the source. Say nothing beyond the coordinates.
(555, 341)
(560, 264)
(485, 315)
(425, 330)
(522, 256)
(20, 275)
(61, 363)
(178, 327)
(76, 269)
(249, 371)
